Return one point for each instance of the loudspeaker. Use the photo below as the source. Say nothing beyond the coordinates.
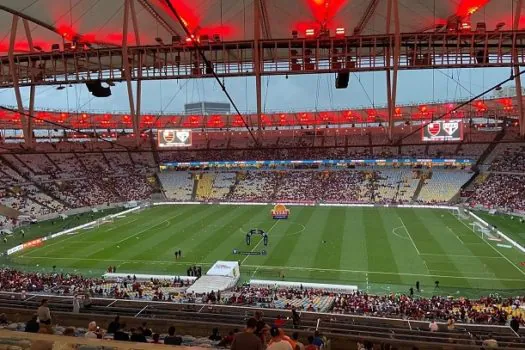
(341, 81)
(97, 90)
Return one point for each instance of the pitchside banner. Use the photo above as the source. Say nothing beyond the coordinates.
(174, 138)
(441, 130)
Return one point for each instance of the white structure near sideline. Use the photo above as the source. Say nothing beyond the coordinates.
(222, 275)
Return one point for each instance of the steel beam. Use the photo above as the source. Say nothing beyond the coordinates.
(235, 59)
(372, 5)
(14, 76)
(257, 60)
(516, 67)
(397, 46)
(127, 71)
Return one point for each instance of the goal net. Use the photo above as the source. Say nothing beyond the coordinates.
(486, 233)
(105, 220)
(460, 213)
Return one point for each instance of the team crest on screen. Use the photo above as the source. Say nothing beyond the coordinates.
(183, 136)
(434, 128)
(168, 136)
(450, 128)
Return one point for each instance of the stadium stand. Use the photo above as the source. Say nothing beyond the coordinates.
(177, 185)
(442, 185)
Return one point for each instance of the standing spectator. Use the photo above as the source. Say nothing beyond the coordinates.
(296, 318)
(318, 340)
(433, 326)
(43, 312)
(515, 324)
(247, 339)
(277, 342)
(172, 339)
(76, 305)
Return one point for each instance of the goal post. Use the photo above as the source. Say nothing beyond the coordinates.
(484, 232)
(460, 213)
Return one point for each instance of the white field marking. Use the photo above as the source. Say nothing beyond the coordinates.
(426, 265)
(409, 236)
(253, 249)
(455, 235)
(394, 231)
(461, 256)
(170, 262)
(497, 251)
(122, 223)
(149, 228)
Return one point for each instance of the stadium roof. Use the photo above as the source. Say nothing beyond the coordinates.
(100, 22)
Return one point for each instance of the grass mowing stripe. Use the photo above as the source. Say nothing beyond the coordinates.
(169, 239)
(330, 248)
(229, 231)
(379, 250)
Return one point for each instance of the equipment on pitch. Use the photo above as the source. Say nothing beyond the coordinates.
(256, 231)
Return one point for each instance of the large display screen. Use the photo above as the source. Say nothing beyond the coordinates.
(173, 138)
(443, 130)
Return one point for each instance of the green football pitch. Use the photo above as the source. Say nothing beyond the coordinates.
(378, 249)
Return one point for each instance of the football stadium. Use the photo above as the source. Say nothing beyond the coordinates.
(262, 174)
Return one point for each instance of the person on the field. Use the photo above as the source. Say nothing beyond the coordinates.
(176, 254)
(180, 254)
(417, 286)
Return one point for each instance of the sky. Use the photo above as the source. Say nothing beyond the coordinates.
(280, 93)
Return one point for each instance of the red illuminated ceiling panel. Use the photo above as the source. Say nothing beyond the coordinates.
(469, 7)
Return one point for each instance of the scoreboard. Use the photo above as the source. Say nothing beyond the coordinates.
(167, 138)
(443, 130)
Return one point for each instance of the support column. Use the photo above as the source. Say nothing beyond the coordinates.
(390, 107)
(137, 42)
(391, 76)
(515, 61)
(127, 71)
(28, 137)
(397, 51)
(257, 59)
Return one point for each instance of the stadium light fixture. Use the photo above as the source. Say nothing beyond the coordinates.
(310, 32)
(340, 32)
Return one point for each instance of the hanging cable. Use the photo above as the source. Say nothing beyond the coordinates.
(212, 69)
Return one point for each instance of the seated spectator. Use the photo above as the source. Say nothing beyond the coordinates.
(32, 325)
(172, 339)
(277, 342)
(490, 342)
(44, 315)
(120, 334)
(93, 331)
(146, 331)
(311, 345)
(114, 326)
(215, 336)
(156, 338)
(137, 336)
